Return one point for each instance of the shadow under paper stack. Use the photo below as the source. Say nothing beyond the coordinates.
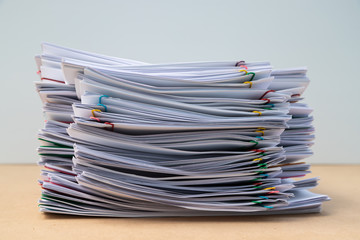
(124, 138)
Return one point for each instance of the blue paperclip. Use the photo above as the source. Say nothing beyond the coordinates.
(100, 104)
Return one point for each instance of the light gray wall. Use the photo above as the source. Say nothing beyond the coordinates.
(323, 35)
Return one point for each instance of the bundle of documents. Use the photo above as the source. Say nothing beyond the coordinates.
(124, 138)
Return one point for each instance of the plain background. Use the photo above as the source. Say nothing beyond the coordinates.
(322, 35)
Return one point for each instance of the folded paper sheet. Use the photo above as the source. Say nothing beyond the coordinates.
(125, 138)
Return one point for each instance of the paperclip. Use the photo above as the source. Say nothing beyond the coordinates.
(95, 110)
(257, 159)
(253, 75)
(256, 143)
(263, 197)
(248, 83)
(257, 112)
(239, 63)
(267, 206)
(268, 91)
(95, 119)
(243, 70)
(259, 137)
(105, 108)
(262, 132)
(269, 188)
(266, 99)
(258, 150)
(112, 125)
(102, 97)
(244, 67)
(271, 192)
(100, 104)
(258, 202)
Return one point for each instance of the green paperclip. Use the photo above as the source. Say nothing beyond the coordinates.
(253, 75)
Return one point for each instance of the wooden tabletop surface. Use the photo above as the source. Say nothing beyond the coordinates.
(340, 218)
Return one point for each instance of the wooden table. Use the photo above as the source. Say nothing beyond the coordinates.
(340, 218)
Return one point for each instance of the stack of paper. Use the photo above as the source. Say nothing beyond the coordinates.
(129, 139)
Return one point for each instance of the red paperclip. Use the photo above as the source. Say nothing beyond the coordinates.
(258, 150)
(266, 99)
(112, 125)
(268, 91)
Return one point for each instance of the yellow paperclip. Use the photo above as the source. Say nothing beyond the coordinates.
(257, 159)
(243, 70)
(262, 132)
(261, 128)
(248, 83)
(257, 112)
(269, 188)
(95, 110)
